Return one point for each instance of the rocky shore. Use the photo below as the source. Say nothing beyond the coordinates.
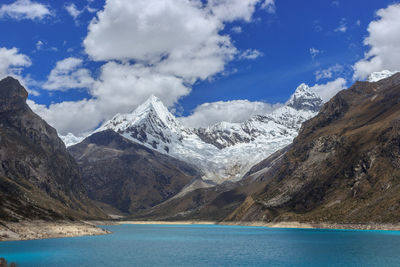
(337, 226)
(28, 230)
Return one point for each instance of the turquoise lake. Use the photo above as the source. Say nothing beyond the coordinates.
(205, 245)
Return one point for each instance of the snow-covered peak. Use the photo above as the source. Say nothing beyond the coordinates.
(380, 75)
(304, 98)
(152, 113)
(70, 139)
(224, 151)
(150, 124)
(155, 106)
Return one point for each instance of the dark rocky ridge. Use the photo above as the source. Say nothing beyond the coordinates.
(128, 176)
(342, 168)
(38, 177)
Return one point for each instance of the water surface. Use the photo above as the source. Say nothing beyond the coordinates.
(210, 245)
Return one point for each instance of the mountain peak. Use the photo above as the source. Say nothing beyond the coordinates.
(148, 123)
(304, 98)
(154, 106)
(380, 75)
(12, 95)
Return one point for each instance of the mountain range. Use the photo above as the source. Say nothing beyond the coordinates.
(224, 151)
(305, 161)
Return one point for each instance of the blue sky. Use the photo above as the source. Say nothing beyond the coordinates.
(273, 47)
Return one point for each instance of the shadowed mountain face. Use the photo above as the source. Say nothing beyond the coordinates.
(38, 177)
(343, 167)
(129, 176)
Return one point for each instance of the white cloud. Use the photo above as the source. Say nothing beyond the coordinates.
(250, 54)
(231, 10)
(269, 5)
(342, 26)
(329, 72)
(24, 9)
(122, 87)
(237, 29)
(335, 3)
(12, 62)
(76, 117)
(383, 42)
(159, 47)
(328, 90)
(69, 74)
(228, 111)
(314, 52)
(73, 10)
(149, 30)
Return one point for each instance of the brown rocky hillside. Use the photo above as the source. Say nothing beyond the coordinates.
(343, 167)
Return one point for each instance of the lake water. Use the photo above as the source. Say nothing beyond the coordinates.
(204, 245)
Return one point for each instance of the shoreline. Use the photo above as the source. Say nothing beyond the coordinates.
(284, 225)
(33, 230)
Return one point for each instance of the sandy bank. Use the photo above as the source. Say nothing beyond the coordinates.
(298, 225)
(27, 230)
(168, 222)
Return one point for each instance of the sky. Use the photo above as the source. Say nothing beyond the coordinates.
(84, 61)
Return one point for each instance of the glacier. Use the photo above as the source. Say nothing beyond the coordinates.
(224, 151)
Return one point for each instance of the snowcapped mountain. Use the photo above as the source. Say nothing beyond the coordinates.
(224, 151)
(380, 75)
(70, 139)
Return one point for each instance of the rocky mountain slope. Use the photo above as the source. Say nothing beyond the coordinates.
(225, 151)
(38, 177)
(215, 203)
(344, 166)
(128, 176)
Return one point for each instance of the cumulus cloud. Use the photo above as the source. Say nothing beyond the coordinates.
(383, 42)
(12, 62)
(149, 30)
(24, 9)
(329, 72)
(122, 87)
(159, 47)
(230, 10)
(328, 90)
(76, 117)
(147, 47)
(69, 74)
(229, 111)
